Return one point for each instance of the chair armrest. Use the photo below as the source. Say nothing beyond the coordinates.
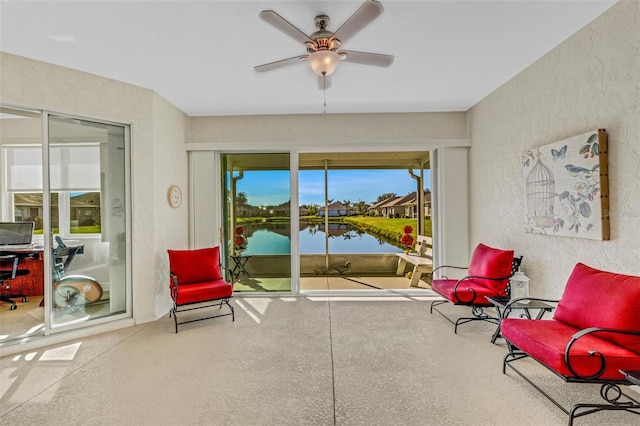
(174, 289)
(446, 266)
(592, 352)
(470, 277)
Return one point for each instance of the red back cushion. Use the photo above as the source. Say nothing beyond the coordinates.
(491, 263)
(195, 266)
(595, 298)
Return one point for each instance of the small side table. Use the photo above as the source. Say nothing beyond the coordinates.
(239, 266)
(500, 303)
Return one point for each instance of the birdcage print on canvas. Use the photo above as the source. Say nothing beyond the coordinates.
(540, 186)
(566, 187)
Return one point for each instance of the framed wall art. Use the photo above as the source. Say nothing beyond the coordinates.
(567, 187)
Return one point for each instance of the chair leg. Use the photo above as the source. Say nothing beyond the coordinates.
(477, 311)
(174, 311)
(486, 318)
(610, 392)
(12, 303)
(233, 313)
(630, 406)
(436, 303)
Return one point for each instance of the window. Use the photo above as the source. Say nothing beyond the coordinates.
(75, 178)
(29, 207)
(84, 213)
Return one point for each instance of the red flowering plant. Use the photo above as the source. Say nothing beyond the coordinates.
(407, 240)
(239, 240)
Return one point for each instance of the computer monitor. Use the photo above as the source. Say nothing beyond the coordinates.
(16, 233)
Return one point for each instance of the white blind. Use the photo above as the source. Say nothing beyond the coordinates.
(72, 167)
(203, 196)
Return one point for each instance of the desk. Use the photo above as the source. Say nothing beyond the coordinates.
(33, 283)
(239, 267)
(500, 304)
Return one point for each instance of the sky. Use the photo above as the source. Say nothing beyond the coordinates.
(272, 187)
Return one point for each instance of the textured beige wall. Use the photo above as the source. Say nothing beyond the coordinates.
(158, 134)
(590, 81)
(308, 131)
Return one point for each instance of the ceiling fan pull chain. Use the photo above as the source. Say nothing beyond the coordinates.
(324, 91)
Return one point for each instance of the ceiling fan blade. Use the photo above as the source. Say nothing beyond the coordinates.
(279, 64)
(324, 82)
(285, 26)
(366, 58)
(369, 11)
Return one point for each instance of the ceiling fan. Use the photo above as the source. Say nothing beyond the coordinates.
(322, 46)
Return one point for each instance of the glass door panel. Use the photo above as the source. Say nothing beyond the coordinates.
(353, 211)
(87, 166)
(257, 221)
(21, 201)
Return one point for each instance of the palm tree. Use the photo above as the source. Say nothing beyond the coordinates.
(241, 203)
(313, 209)
(361, 207)
(347, 204)
(385, 196)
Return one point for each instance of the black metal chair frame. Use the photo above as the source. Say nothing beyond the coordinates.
(609, 390)
(175, 310)
(477, 308)
(7, 275)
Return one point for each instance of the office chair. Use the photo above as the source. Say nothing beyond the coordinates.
(7, 274)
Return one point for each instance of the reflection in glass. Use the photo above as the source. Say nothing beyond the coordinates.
(87, 172)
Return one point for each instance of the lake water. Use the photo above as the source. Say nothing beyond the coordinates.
(343, 239)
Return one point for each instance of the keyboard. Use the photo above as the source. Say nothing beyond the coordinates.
(13, 247)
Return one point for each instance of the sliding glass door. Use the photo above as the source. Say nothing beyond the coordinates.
(257, 221)
(87, 168)
(68, 178)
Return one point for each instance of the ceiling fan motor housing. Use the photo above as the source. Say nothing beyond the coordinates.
(322, 22)
(322, 39)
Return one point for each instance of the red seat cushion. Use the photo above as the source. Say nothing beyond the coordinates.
(595, 298)
(195, 266)
(445, 288)
(202, 292)
(491, 263)
(546, 341)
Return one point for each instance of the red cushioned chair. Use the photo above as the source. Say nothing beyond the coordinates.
(594, 336)
(196, 278)
(488, 275)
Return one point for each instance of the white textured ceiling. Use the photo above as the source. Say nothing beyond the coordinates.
(199, 55)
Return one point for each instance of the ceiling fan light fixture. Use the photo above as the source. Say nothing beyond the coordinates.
(323, 62)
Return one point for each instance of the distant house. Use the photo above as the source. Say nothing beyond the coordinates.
(378, 207)
(403, 206)
(85, 209)
(335, 209)
(28, 207)
(283, 209)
